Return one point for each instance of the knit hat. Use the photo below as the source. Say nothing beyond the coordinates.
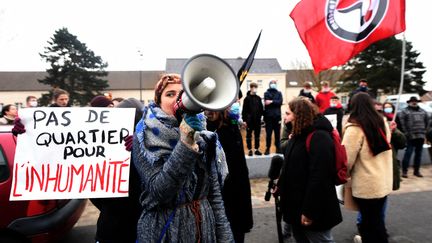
(100, 101)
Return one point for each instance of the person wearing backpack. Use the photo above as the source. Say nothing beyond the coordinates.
(370, 164)
(307, 181)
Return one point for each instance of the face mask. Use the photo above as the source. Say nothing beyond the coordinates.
(326, 89)
(363, 88)
(234, 111)
(332, 105)
(33, 103)
(273, 86)
(306, 91)
(388, 110)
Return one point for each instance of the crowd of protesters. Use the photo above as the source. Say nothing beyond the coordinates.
(190, 181)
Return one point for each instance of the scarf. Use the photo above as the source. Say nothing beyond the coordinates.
(157, 133)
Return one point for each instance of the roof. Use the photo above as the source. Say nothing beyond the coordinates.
(117, 80)
(260, 65)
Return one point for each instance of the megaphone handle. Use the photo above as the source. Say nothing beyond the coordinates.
(178, 108)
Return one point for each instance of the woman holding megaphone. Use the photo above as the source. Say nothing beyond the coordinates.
(180, 174)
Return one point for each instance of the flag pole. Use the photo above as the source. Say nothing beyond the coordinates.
(402, 76)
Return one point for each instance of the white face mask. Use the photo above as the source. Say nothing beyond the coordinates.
(33, 103)
(273, 86)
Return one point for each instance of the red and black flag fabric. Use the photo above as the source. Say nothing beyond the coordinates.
(334, 31)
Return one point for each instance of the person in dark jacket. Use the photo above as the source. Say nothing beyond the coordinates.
(414, 122)
(307, 191)
(307, 92)
(236, 192)
(252, 113)
(118, 217)
(336, 109)
(362, 87)
(272, 115)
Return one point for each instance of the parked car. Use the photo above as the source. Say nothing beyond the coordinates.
(34, 220)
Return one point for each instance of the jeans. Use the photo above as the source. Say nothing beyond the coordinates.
(372, 227)
(308, 236)
(383, 213)
(417, 146)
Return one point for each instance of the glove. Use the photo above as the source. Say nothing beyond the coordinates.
(128, 143)
(196, 121)
(190, 124)
(234, 112)
(18, 127)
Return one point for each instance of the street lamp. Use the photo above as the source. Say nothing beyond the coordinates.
(140, 74)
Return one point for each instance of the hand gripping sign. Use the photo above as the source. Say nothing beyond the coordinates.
(72, 153)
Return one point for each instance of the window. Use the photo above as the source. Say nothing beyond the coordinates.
(247, 84)
(4, 168)
(259, 82)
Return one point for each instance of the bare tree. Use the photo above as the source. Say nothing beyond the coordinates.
(304, 73)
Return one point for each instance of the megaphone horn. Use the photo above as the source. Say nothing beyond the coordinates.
(209, 83)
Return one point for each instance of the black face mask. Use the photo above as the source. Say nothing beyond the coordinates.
(212, 125)
(363, 88)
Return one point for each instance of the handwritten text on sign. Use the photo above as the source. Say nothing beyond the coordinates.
(72, 153)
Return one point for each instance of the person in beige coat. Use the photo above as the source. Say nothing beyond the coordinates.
(367, 141)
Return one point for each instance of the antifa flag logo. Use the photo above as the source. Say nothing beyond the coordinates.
(354, 20)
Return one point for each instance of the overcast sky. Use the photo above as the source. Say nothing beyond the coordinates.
(119, 31)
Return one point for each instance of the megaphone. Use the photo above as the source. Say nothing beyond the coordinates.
(209, 83)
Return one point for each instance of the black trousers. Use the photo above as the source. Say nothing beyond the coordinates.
(256, 130)
(273, 125)
(372, 227)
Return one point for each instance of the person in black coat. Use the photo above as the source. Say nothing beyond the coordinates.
(252, 113)
(272, 115)
(236, 190)
(307, 92)
(336, 109)
(307, 190)
(118, 217)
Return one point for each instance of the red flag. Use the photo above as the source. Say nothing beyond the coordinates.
(334, 31)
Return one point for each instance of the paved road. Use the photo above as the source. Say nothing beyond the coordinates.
(408, 218)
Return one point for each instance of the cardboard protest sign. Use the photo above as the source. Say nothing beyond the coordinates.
(72, 153)
(333, 119)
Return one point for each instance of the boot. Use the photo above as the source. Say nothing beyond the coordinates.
(418, 174)
(250, 153)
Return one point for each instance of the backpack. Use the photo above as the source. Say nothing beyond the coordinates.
(340, 156)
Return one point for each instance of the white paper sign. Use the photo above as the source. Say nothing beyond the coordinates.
(72, 153)
(333, 119)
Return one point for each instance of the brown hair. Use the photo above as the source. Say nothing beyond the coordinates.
(304, 112)
(57, 92)
(30, 97)
(165, 79)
